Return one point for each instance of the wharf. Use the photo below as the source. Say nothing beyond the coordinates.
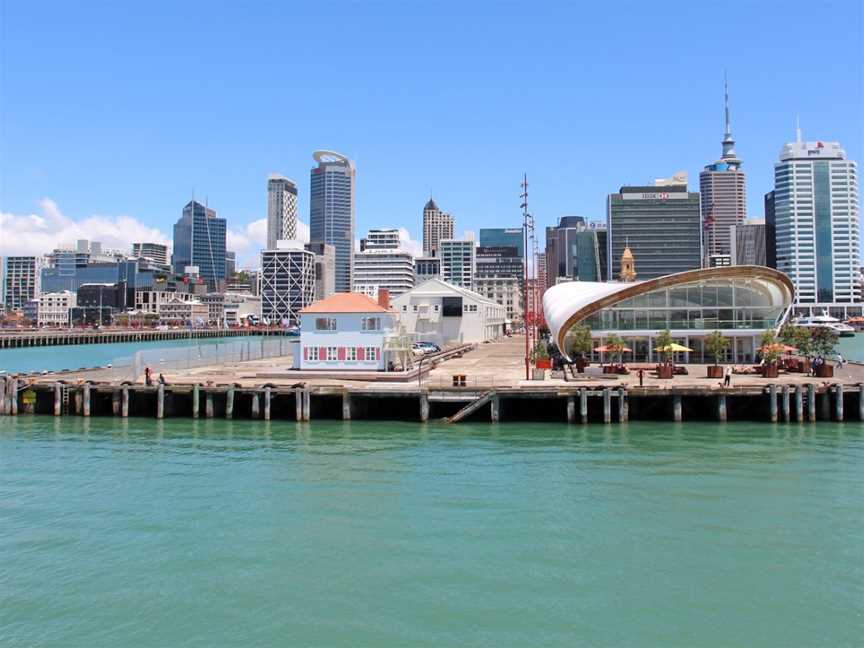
(17, 339)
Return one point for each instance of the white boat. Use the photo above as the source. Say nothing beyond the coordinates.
(826, 322)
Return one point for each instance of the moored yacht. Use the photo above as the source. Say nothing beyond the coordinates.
(826, 322)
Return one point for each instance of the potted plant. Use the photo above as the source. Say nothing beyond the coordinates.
(541, 356)
(716, 344)
(801, 338)
(662, 344)
(580, 343)
(615, 346)
(823, 345)
(770, 350)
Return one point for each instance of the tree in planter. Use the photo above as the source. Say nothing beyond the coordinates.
(716, 344)
(770, 348)
(616, 346)
(580, 341)
(823, 342)
(662, 343)
(540, 352)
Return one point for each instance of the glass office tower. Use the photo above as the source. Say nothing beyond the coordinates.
(199, 240)
(331, 210)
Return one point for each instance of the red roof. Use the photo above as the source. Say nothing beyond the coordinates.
(345, 303)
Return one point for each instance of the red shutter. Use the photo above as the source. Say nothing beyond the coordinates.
(361, 354)
(340, 353)
(305, 353)
(322, 353)
(377, 353)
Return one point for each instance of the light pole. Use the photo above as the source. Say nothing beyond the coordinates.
(525, 220)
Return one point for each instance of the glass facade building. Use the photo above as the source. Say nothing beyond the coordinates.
(331, 211)
(503, 237)
(199, 240)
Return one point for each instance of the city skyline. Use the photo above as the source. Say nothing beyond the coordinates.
(628, 145)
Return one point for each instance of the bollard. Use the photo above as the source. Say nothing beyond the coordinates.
(346, 406)
(811, 402)
(124, 402)
(58, 399)
(607, 405)
(208, 404)
(583, 405)
(229, 403)
(677, 410)
(256, 405)
(838, 402)
(623, 406)
(571, 409)
(266, 403)
(86, 393)
(195, 400)
(160, 401)
(772, 402)
(799, 404)
(785, 394)
(298, 403)
(721, 408)
(424, 407)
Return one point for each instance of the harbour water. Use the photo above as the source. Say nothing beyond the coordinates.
(232, 533)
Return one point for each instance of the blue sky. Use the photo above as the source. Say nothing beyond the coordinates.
(125, 109)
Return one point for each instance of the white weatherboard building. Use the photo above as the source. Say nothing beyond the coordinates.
(281, 209)
(54, 308)
(439, 312)
(345, 332)
(458, 262)
(817, 232)
(287, 282)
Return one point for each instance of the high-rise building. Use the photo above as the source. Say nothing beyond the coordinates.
(817, 228)
(575, 250)
(503, 237)
(331, 211)
(437, 226)
(230, 263)
(325, 269)
(390, 268)
(156, 252)
(541, 272)
(199, 240)
(458, 262)
(281, 210)
(723, 189)
(748, 240)
(425, 268)
(770, 232)
(499, 276)
(21, 280)
(287, 282)
(661, 225)
(381, 239)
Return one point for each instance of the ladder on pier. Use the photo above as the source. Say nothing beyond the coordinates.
(64, 393)
(470, 408)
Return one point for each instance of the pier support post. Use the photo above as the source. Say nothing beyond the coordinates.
(495, 409)
(825, 405)
(13, 396)
(571, 409)
(623, 406)
(307, 404)
(677, 410)
(721, 408)
(838, 402)
(4, 398)
(160, 401)
(346, 406)
(298, 404)
(861, 402)
(583, 405)
(799, 403)
(115, 402)
(229, 403)
(811, 402)
(772, 402)
(86, 393)
(266, 403)
(196, 392)
(785, 394)
(208, 404)
(124, 401)
(424, 407)
(58, 399)
(607, 405)
(256, 405)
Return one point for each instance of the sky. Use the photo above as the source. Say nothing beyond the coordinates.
(113, 115)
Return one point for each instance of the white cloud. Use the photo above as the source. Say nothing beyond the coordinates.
(248, 241)
(36, 235)
(408, 244)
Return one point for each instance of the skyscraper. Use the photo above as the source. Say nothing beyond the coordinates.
(458, 262)
(331, 210)
(437, 226)
(199, 240)
(21, 280)
(815, 213)
(503, 237)
(661, 225)
(281, 210)
(287, 281)
(723, 188)
(748, 243)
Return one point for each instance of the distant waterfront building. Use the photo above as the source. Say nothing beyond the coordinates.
(503, 237)
(325, 269)
(331, 212)
(748, 240)
(287, 282)
(661, 224)
(458, 262)
(723, 189)
(199, 240)
(437, 226)
(425, 268)
(156, 252)
(54, 308)
(575, 250)
(21, 280)
(381, 239)
(499, 276)
(281, 210)
(815, 212)
(390, 268)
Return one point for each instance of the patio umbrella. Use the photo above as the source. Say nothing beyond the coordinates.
(674, 347)
(607, 349)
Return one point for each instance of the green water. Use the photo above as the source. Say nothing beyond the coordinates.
(220, 533)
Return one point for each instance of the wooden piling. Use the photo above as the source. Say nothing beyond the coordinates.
(583, 405)
(256, 405)
(811, 402)
(196, 400)
(623, 406)
(861, 402)
(209, 408)
(721, 408)
(13, 396)
(424, 407)
(229, 402)
(838, 402)
(298, 404)
(307, 404)
(267, 403)
(677, 409)
(124, 401)
(571, 409)
(772, 402)
(346, 405)
(785, 401)
(85, 389)
(799, 403)
(495, 409)
(825, 405)
(58, 399)
(115, 402)
(4, 397)
(607, 405)
(160, 401)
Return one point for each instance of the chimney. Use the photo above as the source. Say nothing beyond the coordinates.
(384, 298)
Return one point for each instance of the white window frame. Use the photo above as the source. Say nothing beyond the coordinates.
(325, 323)
(351, 354)
(332, 354)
